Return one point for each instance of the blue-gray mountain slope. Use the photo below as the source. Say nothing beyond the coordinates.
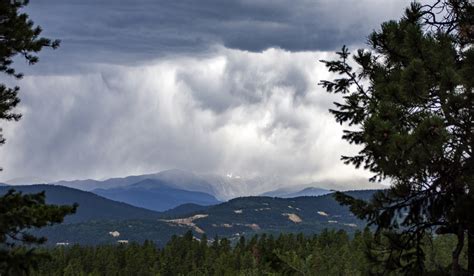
(91, 206)
(155, 194)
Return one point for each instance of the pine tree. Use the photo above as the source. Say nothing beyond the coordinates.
(18, 213)
(411, 105)
(20, 37)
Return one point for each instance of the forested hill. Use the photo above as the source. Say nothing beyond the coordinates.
(238, 217)
(185, 209)
(253, 214)
(91, 206)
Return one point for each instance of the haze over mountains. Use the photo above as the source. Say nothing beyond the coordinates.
(155, 195)
(221, 187)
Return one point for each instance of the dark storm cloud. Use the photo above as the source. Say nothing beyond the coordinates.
(138, 86)
(135, 30)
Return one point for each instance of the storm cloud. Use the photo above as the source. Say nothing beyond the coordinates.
(208, 86)
(111, 31)
(246, 113)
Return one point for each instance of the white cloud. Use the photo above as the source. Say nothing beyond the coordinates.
(253, 114)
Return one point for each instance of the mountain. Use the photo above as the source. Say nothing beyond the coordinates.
(244, 216)
(230, 186)
(221, 187)
(310, 191)
(175, 178)
(91, 206)
(84, 185)
(289, 192)
(308, 214)
(359, 183)
(110, 232)
(184, 209)
(25, 180)
(185, 180)
(155, 194)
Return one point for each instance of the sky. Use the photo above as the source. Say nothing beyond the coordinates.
(210, 86)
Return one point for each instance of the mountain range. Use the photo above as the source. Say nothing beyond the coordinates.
(168, 189)
(157, 206)
(221, 187)
(155, 195)
(100, 220)
(178, 179)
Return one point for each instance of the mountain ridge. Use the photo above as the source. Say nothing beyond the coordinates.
(290, 192)
(91, 206)
(155, 195)
(221, 187)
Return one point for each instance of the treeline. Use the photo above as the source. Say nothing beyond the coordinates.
(329, 253)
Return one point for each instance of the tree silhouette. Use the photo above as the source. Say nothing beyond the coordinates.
(410, 103)
(20, 37)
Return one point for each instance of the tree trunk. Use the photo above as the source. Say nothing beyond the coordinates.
(455, 267)
(470, 251)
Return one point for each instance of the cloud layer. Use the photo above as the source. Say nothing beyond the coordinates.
(210, 86)
(128, 31)
(251, 114)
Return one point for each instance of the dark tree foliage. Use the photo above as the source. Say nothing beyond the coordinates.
(18, 212)
(18, 36)
(410, 103)
(329, 253)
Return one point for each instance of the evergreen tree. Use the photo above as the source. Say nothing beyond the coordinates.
(411, 105)
(332, 253)
(18, 213)
(19, 36)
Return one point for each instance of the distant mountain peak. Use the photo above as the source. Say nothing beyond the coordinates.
(26, 180)
(149, 183)
(296, 191)
(156, 194)
(222, 187)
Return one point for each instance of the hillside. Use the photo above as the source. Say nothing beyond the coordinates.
(302, 214)
(91, 206)
(155, 195)
(178, 179)
(185, 209)
(111, 231)
(232, 219)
